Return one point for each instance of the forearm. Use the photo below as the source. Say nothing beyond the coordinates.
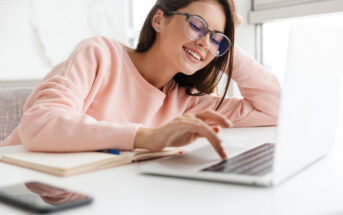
(68, 131)
(257, 86)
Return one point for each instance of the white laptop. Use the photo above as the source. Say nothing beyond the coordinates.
(307, 119)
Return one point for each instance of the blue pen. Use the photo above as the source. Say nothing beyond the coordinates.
(114, 151)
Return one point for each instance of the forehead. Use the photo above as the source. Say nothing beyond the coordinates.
(211, 11)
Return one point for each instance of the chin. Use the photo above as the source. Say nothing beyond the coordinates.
(188, 72)
(189, 69)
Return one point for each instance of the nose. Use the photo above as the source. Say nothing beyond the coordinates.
(204, 41)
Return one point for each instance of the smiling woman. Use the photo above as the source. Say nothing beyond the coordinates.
(209, 74)
(106, 95)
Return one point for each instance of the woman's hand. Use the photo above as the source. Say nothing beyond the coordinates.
(183, 130)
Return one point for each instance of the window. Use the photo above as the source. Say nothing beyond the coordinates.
(275, 38)
(268, 10)
(275, 34)
(140, 10)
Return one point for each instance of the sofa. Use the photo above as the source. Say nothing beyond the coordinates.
(12, 101)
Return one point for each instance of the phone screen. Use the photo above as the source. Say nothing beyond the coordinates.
(41, 197)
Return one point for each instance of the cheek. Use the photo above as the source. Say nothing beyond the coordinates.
(174, 32)
(172, 41)
(209, 59)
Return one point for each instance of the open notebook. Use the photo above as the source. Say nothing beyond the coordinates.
(65, 164)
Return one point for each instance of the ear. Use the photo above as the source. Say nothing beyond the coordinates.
(158, 20)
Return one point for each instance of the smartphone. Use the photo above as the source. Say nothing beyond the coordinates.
(42, 198)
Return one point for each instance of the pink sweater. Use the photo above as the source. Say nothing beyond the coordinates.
(97, 99)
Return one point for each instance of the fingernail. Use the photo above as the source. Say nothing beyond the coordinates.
(223, 154)
(216, 128)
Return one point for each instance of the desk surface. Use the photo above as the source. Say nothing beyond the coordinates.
(123, 190)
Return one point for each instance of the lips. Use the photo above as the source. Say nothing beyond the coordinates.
(194, 53)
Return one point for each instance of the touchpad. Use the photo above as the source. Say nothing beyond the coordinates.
(197, 159)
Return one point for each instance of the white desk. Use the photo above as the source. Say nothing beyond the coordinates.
(123, 190)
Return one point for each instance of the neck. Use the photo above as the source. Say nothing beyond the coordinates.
(153, 66)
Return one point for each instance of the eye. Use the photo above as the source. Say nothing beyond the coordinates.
(196, 27)
(218, 39)
(216, 42)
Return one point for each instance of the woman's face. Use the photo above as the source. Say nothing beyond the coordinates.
(180, 51)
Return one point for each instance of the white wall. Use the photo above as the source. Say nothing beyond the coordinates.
(35, 35)
(245, 36)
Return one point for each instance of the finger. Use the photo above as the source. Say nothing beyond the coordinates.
(216, 128)
(216, 117)
(206, 131)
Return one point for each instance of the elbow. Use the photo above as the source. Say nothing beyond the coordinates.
(272, 116)
(31, 147)
(277, 103)
(29, 133)
(274, 104)
(277, 97)
(27, 139)
(274, 109)
(274, 121)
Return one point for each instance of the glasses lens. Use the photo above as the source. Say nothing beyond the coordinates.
(220, 44)
(195, 28)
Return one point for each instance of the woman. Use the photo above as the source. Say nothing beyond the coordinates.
(108, 96)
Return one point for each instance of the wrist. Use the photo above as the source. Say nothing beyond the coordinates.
(142, 137)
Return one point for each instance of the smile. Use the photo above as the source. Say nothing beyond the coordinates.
(193, 54)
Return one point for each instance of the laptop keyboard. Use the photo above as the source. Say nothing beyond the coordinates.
(257, 161)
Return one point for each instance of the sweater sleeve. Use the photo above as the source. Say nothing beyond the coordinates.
(260, 91)
(54, 116)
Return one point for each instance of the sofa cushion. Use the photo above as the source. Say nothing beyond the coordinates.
(12, 101)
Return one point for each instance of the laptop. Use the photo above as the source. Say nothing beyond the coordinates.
(306, 124)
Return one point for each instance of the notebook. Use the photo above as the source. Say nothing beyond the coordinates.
(306, 126)
(65, 164)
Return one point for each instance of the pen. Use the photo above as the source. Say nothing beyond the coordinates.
(113, 151)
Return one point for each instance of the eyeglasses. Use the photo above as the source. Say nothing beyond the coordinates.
(196, 28)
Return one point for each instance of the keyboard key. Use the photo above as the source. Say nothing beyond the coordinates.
(256, 161)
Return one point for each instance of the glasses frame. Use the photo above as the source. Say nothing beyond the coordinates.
(188, 16)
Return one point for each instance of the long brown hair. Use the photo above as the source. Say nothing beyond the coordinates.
(206, 79)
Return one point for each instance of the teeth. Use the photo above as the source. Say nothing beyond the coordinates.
(195, 55)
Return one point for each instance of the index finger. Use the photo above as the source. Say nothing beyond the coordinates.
(206, 131)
